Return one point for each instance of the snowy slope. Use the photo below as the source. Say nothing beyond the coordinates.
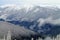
(16, 31)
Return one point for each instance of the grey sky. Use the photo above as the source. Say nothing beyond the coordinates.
(35, 2)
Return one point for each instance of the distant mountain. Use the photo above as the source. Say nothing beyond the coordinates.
(28, 13)
(43, 20)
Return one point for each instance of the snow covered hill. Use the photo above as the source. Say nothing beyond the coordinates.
(16, 31)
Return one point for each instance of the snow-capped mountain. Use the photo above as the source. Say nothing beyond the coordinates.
(37, 18)
(27, 13)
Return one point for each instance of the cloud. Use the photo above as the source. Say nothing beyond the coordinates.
(0, 11)
(50, 20)
(4, 16)
(8, 5)
(43, 21)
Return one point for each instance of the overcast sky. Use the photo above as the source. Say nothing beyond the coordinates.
(34, 2)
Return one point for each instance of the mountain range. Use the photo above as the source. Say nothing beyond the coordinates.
(43, 20)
